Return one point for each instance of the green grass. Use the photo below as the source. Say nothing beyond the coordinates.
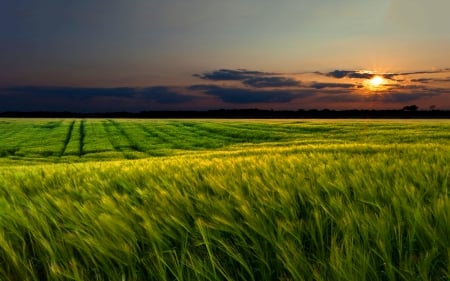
(36, 141)
(224, 200)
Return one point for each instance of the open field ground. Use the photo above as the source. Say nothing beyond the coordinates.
(224, 200)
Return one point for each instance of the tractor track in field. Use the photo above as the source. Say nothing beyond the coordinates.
(110, 125)
(114, 144)
(175, 136)
(67, 140)
(82, 136)
(130, 141)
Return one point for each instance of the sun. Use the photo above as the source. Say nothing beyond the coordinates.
(375, 83)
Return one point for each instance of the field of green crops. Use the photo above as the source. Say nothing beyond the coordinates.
(98, 199)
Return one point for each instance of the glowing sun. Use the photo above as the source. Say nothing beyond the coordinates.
(375, 83)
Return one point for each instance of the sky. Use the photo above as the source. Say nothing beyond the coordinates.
(135, 55)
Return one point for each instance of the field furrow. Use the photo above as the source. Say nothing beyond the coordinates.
(72, 147)
(202, 139)
(41, 140)
(119, 140)
(68, 137)
(164, 136)
(121, 127)
(91, 139)
(95, 143)
(209, 132)
(82, 136)
(11, 133)
(236, 135)
(143, 141)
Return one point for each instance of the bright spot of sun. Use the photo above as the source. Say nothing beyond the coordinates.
(375, 83)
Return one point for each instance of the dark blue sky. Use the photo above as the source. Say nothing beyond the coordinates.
(53, 45)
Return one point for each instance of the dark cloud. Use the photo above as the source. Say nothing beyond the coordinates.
(338, 73)
(317, 85)
(249, 87)
(394, 75)
(339, 97)
(424, 72)
(411, 87)
(256, 79)
(267, 82)
(359, 74)
(423, 80)
(418, 90)
(414, 94)
(230, 75)
(88, 99)
(244, 96)
(396, 97)
(162, 95)
(367, 75)
(157, 94)
(68, 92)
(350, 74)
(430, 80)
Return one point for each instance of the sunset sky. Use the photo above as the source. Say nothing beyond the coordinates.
(111, 55)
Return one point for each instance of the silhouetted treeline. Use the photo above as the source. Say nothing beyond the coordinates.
(244, 113)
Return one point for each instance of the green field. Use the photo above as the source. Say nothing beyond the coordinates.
(224, 200)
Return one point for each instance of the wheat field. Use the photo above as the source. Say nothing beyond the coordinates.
(102, 199)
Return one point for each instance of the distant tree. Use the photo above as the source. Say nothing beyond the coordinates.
(412, 107)
(432, 107)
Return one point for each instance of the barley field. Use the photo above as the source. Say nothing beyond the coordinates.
(97, 199)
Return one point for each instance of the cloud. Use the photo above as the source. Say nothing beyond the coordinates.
(396, 97)
(411, 87)
(414, 94)
(236, 88)
(230, 75)
(68, 92)
(350, 74)
(340, 97)
(358, 74)
(245, 96)
(162, 95)
(368, 75)
(338, 73)
(268, 82)
(430, 80)
(90, 99)
(423, 80)
(256, 79)
(401, 94)
(317, 85)
(157, 94)
(424, 72)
